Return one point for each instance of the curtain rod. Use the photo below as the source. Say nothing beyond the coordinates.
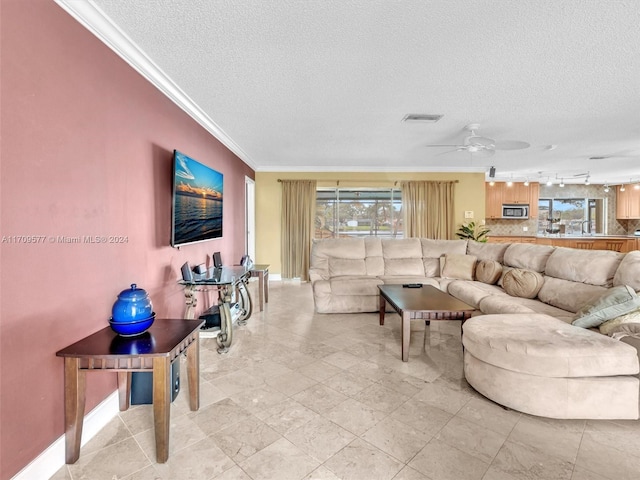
(395, 182)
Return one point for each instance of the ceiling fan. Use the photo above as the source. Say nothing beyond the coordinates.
(483, 146)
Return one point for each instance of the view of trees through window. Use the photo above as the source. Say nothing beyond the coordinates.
(348, 212)
(571, 216)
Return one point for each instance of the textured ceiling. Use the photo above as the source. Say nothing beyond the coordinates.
(317, 85)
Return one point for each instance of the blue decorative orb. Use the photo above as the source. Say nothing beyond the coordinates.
(132, 305)
(127, 329)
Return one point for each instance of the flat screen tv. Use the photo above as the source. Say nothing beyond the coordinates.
(197, 201)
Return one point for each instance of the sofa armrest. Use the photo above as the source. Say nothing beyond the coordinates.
(316, 274)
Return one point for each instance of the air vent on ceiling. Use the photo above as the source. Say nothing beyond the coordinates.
(422, 117)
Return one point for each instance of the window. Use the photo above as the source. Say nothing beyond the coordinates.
(361, 212)
(571, 216)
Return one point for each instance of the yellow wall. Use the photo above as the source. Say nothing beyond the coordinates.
(469, 195)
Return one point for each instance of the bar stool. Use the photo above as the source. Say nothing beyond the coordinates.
(615, 245)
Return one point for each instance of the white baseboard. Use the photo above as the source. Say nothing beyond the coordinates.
(51, 460)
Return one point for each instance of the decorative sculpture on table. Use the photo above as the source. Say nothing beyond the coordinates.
(132, 313)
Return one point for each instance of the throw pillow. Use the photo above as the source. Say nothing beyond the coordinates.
(519, 282)
(626, 330)
(611, 326)
(613, 303)
(459, 266)
(488, 271)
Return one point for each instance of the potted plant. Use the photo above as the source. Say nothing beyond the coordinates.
(471, 231)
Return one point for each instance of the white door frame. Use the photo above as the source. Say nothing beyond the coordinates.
(250, 217)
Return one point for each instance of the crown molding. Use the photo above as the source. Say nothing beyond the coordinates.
(90, 16)
(340, 168)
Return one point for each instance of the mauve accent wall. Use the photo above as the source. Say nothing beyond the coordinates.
(86, 150)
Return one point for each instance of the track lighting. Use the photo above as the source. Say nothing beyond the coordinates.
(526, 183)
(586, 181)
(549, 183)
(561, 184)
(606, 188)
(622, 189)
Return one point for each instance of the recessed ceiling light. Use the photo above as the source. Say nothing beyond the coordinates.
(422, 117)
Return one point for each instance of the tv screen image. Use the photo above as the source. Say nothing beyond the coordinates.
(197, 201)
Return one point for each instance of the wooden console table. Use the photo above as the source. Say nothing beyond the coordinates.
(262, 272)
(152, 351)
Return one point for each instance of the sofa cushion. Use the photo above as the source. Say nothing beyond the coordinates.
(346, 266)
(527, 255)
(519, 282)
(487, 251)
(400, 280)
(374, 261)
(402, 256)
(628, 272)
(501, 304)
(541, 345)
(496, 304)
(404, 266)
(488, 271)
(614, 302)
(595, 267)
(459, 266)
(431, 267)
(472, 293)
(349, 286)
(568, 295)
(436, 248)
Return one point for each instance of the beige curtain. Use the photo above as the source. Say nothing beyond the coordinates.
(428, 209)
(298, 217)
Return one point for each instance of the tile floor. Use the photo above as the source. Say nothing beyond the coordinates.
(325, 397)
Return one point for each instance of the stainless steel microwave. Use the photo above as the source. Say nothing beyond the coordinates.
(515, 211)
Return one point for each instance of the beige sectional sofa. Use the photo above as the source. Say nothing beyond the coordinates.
(521, 348)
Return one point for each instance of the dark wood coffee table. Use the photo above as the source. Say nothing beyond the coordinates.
(424, 303)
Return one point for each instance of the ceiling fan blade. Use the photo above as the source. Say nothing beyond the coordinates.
(452, 146)
(448, 152)
(512, 145)
(485, 152)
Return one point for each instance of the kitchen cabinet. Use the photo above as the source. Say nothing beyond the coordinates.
(534, 196)
(517, 194)
(493, 200)
(627, 203)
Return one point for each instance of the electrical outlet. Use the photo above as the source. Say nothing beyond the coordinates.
(468, 214)
(525, 229)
